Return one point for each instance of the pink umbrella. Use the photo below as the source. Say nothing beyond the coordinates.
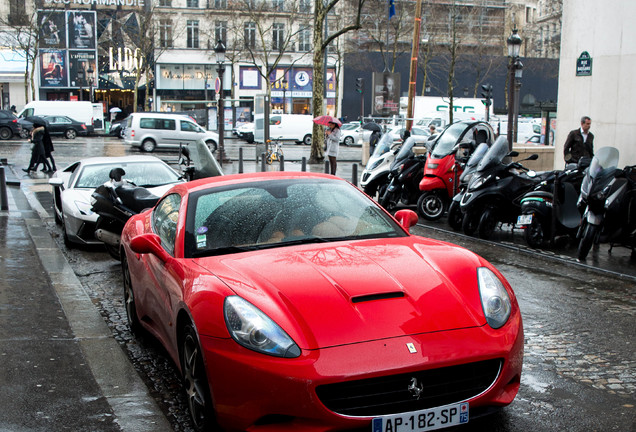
(326, 119)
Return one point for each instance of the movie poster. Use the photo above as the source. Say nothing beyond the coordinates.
(80, 62)
(53, 71)
(386, 93)
(81, 29)
(52, 29)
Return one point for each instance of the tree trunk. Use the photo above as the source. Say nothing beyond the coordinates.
(318, 137)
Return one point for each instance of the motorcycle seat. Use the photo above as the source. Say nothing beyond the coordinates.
(539, 194)
(136, 198)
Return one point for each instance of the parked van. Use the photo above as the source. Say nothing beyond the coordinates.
(149, 131)
(83, 112)
(290, 127)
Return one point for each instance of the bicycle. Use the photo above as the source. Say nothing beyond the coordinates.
(275, 150)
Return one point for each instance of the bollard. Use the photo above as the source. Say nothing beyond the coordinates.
(303, 164)
(240, 167)
(282, 162)
(327, 167)
(354, 174)
(4, 199)
(262, 162)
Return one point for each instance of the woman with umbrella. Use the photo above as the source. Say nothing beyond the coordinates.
(37, 150)
(332, 137)
(376, 131)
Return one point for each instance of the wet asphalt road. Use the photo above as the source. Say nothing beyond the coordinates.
(579, 366)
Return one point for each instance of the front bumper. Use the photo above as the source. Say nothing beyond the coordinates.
(256, 392)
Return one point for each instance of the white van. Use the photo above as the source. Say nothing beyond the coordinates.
(291, 127)
(83, 112)
(149, 131)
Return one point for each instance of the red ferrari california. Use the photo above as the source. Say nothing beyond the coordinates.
(293, 302)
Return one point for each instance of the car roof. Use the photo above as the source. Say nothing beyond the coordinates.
(118, 159)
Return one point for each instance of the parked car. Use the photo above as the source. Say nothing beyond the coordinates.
(350, 133)
(295, 298)
(73, 186)
(150, 131)
(535, 139)
(420, 135)
(118, 128)
(246, 132)
(63, 125)
(9, 125)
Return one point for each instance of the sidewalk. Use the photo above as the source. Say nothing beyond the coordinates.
(62, 368)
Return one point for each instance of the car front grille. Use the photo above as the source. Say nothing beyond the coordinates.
(391, 394)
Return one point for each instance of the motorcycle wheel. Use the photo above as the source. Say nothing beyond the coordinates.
(455, 216)
(470, 223)
(586, 241)
(386, 199)
(535, 234)
(431, 206)
(487, 223)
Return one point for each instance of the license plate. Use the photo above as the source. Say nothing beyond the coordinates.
(524, 219)
(424, 420)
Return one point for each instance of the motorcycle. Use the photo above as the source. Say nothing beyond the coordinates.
(455, 215)
(495, 191)
(376, 174)
(608, 195)
(404, 177)
(550, 210)
(118, 199)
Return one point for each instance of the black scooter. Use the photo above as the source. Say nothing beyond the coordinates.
(550, 210)
(405, 175)
(495, 191)
(608, 195)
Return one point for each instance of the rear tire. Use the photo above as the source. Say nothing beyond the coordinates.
(469, 223)
(586, 241)
(534, 233)
(5, 133)
(431, 205)
(487, 223)
(148, 146)
(348, 141)
(70, 133)
(455, 216)
(307, 139)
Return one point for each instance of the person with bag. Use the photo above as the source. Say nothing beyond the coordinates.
(332, 135)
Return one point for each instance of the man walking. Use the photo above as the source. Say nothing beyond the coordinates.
(579, 143)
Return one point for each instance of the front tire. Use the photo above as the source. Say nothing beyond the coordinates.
(431, 206)
(534, 233)
(348, 141)
(487, 223)
(148, 146)
(5, 133)
(586, 242)
(307, 139)
(470, 223)
(455, 216)
(70, 134)
(129, 298)
(195, 382)
(24, 133)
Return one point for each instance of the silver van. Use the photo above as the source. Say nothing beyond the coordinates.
(150, 131)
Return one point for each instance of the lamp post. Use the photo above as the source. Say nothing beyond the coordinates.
(219, 49)
(80, 80)
(284, 90)
(514, 46)
(90, 73)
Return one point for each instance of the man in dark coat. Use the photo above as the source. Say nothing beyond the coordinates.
(580, 142)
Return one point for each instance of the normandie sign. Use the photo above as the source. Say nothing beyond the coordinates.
(108, 3)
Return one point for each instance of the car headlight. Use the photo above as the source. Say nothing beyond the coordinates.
(254, 330)
(494, 298)
(84, 208)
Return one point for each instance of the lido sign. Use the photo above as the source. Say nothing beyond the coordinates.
(108, 3)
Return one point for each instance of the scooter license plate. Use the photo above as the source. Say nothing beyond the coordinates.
(525, 219)
(424, 420)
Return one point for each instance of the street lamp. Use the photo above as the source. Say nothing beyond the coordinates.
(514, 46)
(284, 90)
(219, 49)
(90, 73)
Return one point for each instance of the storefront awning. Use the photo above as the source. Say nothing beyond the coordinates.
(12, 65)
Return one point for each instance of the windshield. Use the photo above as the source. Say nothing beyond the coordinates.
(147, 174)
(495, 154)
(447, 140)
(384, 145)
(258, 215)
(405, 152)
(606, 157)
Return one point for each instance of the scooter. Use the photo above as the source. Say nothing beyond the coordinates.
(495, 191)
(118, 199)
(608, 195)
(404, 178)
(375, 177)
(550, 210)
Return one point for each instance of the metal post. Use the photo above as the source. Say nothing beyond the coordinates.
(511, 101)
(221, 113)
(262, 162)
(240, 167)
(354, 174)
(327, 167)
(303, 164)
(282, 163)
(4, 200)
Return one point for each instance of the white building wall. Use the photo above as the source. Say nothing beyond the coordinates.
(607, 32)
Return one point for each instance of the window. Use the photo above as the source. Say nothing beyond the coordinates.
(220, 4)
(165, 3)
(156, 123)
(278, 37)
(304, 6)
(192, 29)
(165, 33)
(278, 5)
(164, 221)
(187, 126)
(220, 31)
(250, 35)
(304, 39)
(192, 3)
(17, 13)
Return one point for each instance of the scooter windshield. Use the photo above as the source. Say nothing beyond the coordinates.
(384, 145)
(606, 157)
(474, 160)
(494, 155)
(405, 152)
(447, 140)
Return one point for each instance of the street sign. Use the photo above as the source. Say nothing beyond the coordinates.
(584, 64)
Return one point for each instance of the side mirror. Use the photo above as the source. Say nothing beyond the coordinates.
(149, 244)
(406, 218)
(513, 154)
(56, 181)
(533, 157)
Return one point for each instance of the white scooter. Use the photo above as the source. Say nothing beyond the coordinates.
(375, 177)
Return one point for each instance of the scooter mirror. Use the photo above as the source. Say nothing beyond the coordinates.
(513, 154)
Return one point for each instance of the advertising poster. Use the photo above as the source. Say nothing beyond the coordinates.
(386, 93)
(52, 29)
(302, 82)
(81, 29)
(79, 63)
(250, 78)
(53, 70)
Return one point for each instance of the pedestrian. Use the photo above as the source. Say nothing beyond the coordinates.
(48, 149)
(431, 129)
(579, 143)
(373, 141)
(37, 149)
(332, 136)
(13, 110)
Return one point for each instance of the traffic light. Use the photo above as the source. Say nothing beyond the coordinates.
(487, 94)
(360, 85)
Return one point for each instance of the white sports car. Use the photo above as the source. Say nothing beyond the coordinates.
(73, 186)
